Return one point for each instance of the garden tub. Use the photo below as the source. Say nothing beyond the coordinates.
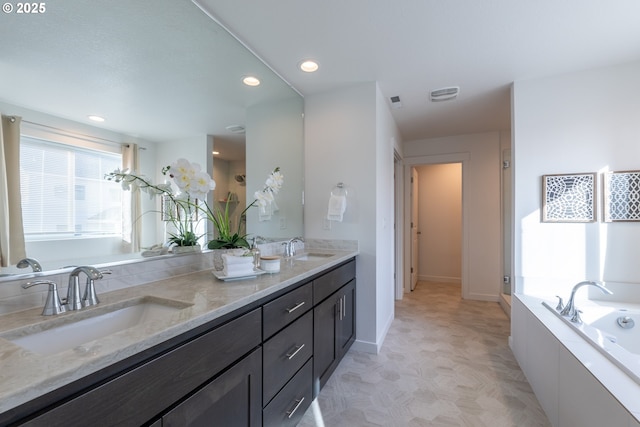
(613, 330)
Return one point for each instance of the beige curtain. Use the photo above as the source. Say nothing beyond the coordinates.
(131, 224)
(11, 231)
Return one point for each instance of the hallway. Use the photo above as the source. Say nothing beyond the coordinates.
(445, 362)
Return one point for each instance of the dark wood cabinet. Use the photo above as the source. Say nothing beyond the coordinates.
(333, 332)
(285, 354)
(346, 318)
(288, 407)
(232, 399)
(261, 365)
(138, 395)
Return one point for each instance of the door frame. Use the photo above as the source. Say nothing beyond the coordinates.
(412, 162)
(398, 224)
(413, 226)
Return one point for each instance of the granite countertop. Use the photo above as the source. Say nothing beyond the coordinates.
(25, 375)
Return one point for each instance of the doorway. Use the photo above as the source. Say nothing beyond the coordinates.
(437, 245)
(462, 160)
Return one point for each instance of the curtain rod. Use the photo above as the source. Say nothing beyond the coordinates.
(89, 138)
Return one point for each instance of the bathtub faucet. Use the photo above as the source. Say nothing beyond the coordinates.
(570, 309)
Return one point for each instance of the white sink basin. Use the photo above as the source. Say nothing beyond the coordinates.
(312, 256)
(76, 328)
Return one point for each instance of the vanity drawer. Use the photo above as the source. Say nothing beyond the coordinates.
(327, 284)
(284, 354)
(285, 309)
(288, 407)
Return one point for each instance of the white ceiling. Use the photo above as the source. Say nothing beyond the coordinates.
(148, 71)
(413, 46)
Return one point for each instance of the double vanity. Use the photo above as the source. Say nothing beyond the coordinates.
(186, 350)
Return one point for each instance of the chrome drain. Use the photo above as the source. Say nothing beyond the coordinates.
(625, 322)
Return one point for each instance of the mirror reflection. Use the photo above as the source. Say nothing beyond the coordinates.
(168, 85)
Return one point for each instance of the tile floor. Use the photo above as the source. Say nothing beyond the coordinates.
(445, 362)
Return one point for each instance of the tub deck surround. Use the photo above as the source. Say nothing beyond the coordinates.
(25, 375)
(615, 380)
(599, 327)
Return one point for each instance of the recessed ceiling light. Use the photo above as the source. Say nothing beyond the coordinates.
(309, 66)
(250, 80)
(96, 118)
(215, 153)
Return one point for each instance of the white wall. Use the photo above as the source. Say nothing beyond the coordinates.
(574, 123)
(349, 138)
(273, 139)
(388, 139)
(440, 222)
(480, 154)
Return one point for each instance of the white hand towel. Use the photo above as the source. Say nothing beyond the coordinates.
(337, 206)
(236, 265)
(238, 269)
(233, 259)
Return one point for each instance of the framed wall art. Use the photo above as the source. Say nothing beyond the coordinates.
(621, 194)
(569, 197)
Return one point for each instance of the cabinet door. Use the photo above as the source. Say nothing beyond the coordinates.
(346, 318)
(325, 352)
(232, 399)
(333, 333)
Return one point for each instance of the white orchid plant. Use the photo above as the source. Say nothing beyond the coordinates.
(228, 239)
(193, 185)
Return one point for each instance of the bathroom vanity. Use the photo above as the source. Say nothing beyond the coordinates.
(249, 352)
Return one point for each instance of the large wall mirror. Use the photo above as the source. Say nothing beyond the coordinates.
(166, 77)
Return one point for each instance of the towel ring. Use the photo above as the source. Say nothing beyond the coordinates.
(339, 190)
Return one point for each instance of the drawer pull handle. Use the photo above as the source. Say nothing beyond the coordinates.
(293, 411)
(292, 355)
(294, 308)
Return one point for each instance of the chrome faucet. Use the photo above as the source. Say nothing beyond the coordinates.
(30, 262)
(289, 246)
(53, 304)
(74, 300)
(570, 309)
(90, 297)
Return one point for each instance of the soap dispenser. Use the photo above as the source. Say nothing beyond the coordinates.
(255, 252)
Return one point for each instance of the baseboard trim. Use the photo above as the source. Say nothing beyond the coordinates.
(505, 303)
(440, 279)
(365, 347)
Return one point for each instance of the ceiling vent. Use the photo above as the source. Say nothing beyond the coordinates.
(395, 102)
(444, 94)
(236, 129)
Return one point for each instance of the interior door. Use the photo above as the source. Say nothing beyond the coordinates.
(414, 228)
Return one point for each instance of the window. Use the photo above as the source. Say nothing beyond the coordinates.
(64, 193)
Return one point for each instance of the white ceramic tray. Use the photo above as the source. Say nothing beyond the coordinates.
(220, 275)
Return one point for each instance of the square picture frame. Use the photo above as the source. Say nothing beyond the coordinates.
(569, 197)
(621, 196)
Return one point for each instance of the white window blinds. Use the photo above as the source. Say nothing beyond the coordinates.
(64, 193)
